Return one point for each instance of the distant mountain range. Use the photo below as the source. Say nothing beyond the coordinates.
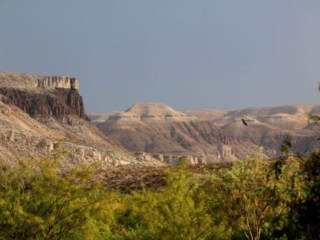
(211, 134)
(36, 112)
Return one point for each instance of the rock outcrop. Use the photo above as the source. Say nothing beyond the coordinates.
(59, 102)
(37, 112)
(59, 82)
(31, 81)
(38, 95)
(25, 137)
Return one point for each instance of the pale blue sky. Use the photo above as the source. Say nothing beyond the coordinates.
(221, 54)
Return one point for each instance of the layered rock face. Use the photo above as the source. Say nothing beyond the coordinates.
(37, 112)
(30, 81)
(59, 102)
(157, 128)
(210, 134)
(267, 126)
(37, 95)
(59, 82)
(22, 136)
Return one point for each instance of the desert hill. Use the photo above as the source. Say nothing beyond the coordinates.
(157, 128)
(214, 135)
(36, 112)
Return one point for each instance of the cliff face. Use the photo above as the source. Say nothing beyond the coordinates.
(31, 81)
(60, 114)
(38, 95)
(60, 102)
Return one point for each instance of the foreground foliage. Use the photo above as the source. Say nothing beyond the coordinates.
(38, 202)
(256, 199)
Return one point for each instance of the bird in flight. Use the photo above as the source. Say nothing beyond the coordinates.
(244, 122)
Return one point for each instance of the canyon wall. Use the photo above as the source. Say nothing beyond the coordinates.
(42, 95)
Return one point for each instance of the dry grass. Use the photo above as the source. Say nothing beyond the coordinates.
(135, 179)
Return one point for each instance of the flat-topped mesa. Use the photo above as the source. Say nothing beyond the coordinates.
(42, 95)
(31, 81)
(59, 82)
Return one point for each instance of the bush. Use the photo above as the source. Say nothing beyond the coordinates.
(39, 202)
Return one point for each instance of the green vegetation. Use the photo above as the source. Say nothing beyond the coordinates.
(255, 199)
(38, 202)
(249, 199)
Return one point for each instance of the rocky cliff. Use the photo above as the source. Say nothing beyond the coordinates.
(37, 112)
(42, 95)
(22, 136)
(31, 81)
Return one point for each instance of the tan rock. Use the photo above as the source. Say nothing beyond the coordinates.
(94, 154)
(46, 145)
(11, 136)
(6, 110)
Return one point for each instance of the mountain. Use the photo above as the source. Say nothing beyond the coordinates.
(213, 135)
(36, 112)
(268, 126)
(157, 128)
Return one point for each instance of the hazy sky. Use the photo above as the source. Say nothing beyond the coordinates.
(218, 54)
